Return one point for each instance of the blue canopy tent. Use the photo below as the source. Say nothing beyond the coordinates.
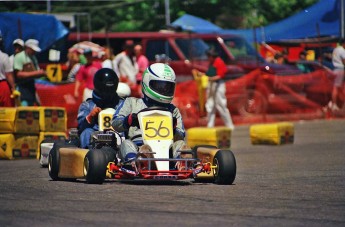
(45, 28)
(195, 24)
(319, 20)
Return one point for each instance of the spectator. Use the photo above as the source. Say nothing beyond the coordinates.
(26, 69)
(85, 74)
(216, 99)
(7, 85)
(125, 64)
(142, 62)
(338, 60)
(73, 64)
(326, 59)
(279, 58)
(301, 64)
(107, 58)
(18, 46)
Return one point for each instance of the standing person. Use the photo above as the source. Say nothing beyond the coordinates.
(143, 63)
(103, 96)
(85, 74)
(26, 69)
(216, 99)
(7, 86)
(338, 60)
(126, 65)
(107, 58)
(158, 87)
(18, 46)
(73, 64)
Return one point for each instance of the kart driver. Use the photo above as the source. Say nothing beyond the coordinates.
(158, 88)
(103, 96)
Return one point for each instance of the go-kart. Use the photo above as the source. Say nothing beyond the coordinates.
(205, 163)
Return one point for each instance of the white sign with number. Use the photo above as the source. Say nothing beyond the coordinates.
(104, 119)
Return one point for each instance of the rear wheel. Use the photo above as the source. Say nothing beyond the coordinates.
(53, 163)
(95, 166)
(225, 172)
(110, 154)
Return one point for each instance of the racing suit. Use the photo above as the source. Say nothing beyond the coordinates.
(129, 148)
(85, 129)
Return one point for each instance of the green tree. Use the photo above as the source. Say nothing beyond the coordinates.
(149, 15)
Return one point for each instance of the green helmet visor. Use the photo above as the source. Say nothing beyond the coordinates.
(166, 88)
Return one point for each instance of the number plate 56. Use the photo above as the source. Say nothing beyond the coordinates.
(157, 128)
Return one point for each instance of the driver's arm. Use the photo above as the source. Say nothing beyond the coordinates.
(84, 110)
(179, 131)
(119, 122)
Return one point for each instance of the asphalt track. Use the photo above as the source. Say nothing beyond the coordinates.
(302, 184)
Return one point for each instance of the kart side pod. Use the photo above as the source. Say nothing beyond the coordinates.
(66, 162)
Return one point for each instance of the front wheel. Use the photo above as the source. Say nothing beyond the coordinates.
(225, 171)
(95, 166)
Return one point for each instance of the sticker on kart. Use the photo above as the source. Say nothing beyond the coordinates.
(157, 128)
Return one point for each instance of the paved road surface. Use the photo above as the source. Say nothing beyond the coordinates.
(291, 185)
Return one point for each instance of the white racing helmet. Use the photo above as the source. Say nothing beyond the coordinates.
(159, 82)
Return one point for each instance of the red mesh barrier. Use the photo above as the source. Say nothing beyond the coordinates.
(255, 97)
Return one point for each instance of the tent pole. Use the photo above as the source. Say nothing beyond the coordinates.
(342, 17)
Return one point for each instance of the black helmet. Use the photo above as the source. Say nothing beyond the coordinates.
(105, 82)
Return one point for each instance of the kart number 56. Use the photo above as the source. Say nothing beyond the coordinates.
(158, 128)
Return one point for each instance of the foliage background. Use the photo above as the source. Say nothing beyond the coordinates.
(149, 15)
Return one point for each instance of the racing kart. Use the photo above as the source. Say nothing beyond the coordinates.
(205, 163)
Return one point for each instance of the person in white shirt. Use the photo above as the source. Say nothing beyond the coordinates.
(125, 64)
(7, 85)
(338, 60)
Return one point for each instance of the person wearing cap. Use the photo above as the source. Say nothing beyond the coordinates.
(7, 86)
(85, 75)
(216, 99)
(126, 65)
(18, 46)
(26, 69)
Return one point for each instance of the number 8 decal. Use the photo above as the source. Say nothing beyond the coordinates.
(106, 122)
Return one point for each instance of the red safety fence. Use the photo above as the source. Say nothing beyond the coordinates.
(253, 98)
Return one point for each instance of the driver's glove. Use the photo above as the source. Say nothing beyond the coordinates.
(92, 116)
(132, 120)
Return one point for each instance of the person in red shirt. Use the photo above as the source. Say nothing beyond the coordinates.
(85, 74)
(216, 99)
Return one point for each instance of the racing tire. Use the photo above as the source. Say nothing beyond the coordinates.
(53, 163)
(110, 154)
(95, 166)
(225, 172)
